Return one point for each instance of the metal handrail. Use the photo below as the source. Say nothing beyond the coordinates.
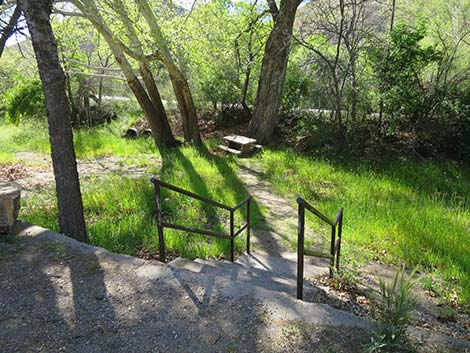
(233, 234)
(335, 248)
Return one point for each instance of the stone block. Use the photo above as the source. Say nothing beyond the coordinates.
(10, 196)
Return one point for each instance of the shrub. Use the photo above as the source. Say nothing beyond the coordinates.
(24, 101)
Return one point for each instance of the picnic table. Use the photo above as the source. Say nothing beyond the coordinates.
(239, 145)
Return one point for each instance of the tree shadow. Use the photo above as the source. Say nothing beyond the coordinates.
(235, 183)
(232, 183)
(60, 299)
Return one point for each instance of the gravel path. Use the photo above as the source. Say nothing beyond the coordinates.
(58, 295)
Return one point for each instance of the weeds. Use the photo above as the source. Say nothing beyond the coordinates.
(392, 311)
(399, 211)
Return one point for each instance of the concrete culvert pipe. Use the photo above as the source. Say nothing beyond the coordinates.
(131, 133)
(147, 133)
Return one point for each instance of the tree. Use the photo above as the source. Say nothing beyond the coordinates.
(400, 67)
(10, 25)
(339, 33)
(150, 100)
(100, 19)
(273, 71)
(70, 207)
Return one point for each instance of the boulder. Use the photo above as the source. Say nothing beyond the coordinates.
(10, 195)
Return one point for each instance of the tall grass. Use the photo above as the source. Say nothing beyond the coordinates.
(415, 212)
(120, 213)
(392, 311)
(89, 143)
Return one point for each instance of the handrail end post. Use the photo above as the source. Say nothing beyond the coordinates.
(248, 222)
(232, 238)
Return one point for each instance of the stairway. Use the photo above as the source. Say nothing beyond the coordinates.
(266, 279)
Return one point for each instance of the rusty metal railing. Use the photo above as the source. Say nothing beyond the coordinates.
(233, 234)
(335, 248)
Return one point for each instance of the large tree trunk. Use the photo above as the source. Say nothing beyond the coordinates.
(71, 220)
(178, 80)
(155, 114)
(186, 105)
(273, 74)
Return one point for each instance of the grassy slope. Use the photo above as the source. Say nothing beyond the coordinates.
(401, 211)
(120, 212)
(415, 213)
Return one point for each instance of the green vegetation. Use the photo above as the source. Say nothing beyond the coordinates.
(89, 143)
(393, 313)
(120, 213)
(397, 210)
(25, 101)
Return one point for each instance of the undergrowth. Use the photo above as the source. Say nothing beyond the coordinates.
(396, 211)
(120, 212)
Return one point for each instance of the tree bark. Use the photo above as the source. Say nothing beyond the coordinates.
(70, 207)
(9, 28)
(273, 73)
(178, 80)
(155, 116)
(147, 76)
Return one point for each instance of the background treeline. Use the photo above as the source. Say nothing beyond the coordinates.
(364, 76)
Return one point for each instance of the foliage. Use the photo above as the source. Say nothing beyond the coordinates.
(397, 210)
(221, 58)
(25, 101)
(400, 66)
(392, 312)
(296, 87)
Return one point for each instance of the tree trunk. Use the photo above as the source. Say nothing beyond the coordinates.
(186, 105)
(70, 207)
(9, 29)
(155, 97)
(156, 118)
(178, 80)
(273, 74)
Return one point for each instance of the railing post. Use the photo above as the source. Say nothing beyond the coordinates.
(158, 204)
(232, 239)
(340, 233)
(300, 250)
(248, 222)
(332, 250)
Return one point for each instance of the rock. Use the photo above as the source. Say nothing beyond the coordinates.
(10, 195)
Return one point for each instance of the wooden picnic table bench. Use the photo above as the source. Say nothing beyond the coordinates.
(239, 145)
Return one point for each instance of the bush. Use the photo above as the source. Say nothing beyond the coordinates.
(25, 101)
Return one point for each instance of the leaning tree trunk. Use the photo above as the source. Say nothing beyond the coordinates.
(71, 220)
(178, 80)
(186, 104)
(273, 74)
(9, 28)
(155, 116)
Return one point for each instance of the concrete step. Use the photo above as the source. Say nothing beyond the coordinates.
(254, 272)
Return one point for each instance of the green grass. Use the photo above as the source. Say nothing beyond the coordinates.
(120, 212)
(399, 211)
(416, 213)
(89, 143)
